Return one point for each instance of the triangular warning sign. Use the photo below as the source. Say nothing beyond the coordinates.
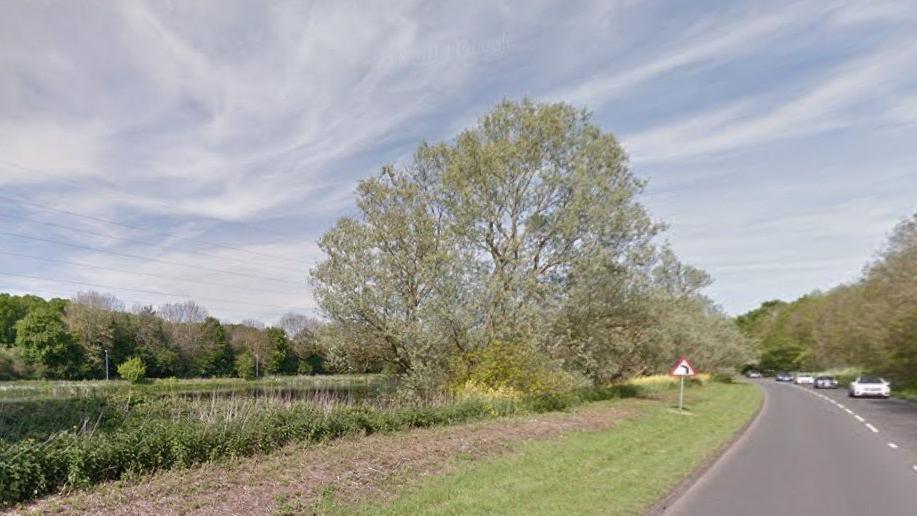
(682, 368)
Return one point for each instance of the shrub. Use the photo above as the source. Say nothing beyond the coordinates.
(132, 370)
(723, 376)
(512, 370)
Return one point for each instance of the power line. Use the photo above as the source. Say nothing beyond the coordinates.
(143, 291)
(131, 240)
(172, 278)
(136, 257)
(151, 231)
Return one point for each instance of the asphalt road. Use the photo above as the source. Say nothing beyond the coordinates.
(814, 452)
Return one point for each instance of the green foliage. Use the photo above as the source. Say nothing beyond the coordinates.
(526, 227)
(723, 376)
(280, 359)
(132, 370)
(216, 358)
(867, 325)
(13, 308)
(516, 368)
(113, 437)
(44, 339)
(245, 365)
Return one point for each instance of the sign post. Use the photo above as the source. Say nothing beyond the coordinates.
(681, 369)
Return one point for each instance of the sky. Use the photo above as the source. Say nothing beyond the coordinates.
(165, 151)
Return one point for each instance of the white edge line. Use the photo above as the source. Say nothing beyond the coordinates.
(859, 418)
(893, 446)
(849, 411)
(874, 429)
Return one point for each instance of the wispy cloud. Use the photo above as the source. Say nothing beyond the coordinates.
(829, 104)
(150, 127)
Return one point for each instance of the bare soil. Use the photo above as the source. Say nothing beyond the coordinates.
(302, 480)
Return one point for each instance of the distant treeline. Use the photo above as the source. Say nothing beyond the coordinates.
(870, 324)
(68, 339)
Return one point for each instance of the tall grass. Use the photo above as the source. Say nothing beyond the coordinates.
(36, 389)
(166, 432)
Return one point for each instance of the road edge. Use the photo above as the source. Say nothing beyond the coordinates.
(691, 480)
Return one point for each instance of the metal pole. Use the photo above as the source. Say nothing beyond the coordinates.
(106, 364)
(681, 394)
(256, 366)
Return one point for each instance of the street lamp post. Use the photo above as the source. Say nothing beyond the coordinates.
(106, 364)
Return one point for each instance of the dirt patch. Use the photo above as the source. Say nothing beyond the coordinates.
(298, 479)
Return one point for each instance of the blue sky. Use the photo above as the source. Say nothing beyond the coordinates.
(222, 138)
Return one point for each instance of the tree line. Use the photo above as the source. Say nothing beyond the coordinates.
(521, 238)
(870, 323)
(69, 339)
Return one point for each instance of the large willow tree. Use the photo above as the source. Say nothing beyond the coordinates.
(491, 236)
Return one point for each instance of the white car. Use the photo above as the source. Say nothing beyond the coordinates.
(804, 378)
(869, 386)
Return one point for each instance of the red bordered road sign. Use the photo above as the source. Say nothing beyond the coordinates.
(682, 368)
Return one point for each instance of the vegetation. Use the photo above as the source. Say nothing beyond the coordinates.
(510, 269)
(524, 229)
(619, 471)
(126, 436)
(133, 370)
(68, 339)
(870, 324)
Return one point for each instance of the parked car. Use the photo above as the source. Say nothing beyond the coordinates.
(865, 386)
(783, 377)
(825, 382)
(804, 379)
(752, 373)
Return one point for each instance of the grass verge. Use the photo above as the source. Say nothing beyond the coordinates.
(619, 471)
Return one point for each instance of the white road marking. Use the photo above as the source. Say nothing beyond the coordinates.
(915, 468)
(849, 411)
(841, 406)
(893, 446)
(874, 429)
(859, 418)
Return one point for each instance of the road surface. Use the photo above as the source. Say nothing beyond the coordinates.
(814, 452)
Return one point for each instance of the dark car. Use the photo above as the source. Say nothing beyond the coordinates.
(783, 376)
(825, 382)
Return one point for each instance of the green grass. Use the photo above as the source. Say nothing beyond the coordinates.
(619, 471)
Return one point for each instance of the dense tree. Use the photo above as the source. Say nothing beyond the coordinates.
(186, 343)
(214, 357)
(13, 308)
(525, 228)
(868, 324)
(45, 340)
(280, 358)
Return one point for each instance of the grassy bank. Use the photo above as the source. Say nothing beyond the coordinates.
(619, 471)
(164, 433)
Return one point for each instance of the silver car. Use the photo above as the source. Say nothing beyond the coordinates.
(825, 382)
(865, 386)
